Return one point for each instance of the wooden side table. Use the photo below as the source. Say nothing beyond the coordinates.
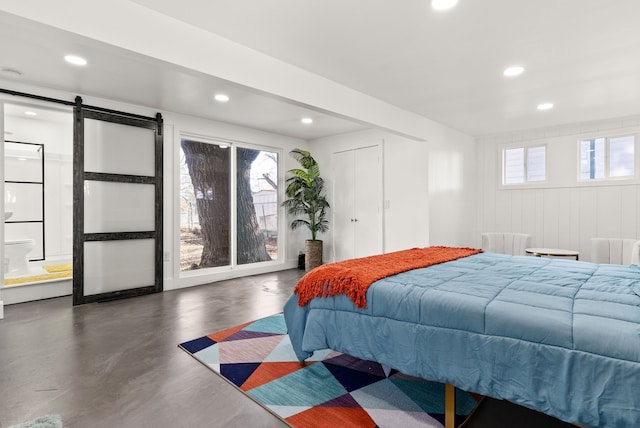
(552, 252)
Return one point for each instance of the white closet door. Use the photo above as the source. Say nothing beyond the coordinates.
(357, 203)
(343, 205)
(368, 202)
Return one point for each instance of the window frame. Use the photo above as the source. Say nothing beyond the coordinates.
(607, 160)
(281, 213)
(196, 276)
(525, 183)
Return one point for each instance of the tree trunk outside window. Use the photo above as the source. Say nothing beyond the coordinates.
(251, 241)
(209, 169)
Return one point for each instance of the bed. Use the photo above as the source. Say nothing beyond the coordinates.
(558, 336)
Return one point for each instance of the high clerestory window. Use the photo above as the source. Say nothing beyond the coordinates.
(522, 165)
(607, 158)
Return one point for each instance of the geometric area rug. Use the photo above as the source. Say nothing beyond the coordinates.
(330, 390)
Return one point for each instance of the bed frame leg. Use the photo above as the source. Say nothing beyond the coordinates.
(449, 406)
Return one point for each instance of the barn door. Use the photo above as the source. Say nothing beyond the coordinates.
(117, 205)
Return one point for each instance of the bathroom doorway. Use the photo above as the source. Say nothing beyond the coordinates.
(38, 229)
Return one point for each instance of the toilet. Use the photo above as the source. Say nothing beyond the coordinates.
(15, 256)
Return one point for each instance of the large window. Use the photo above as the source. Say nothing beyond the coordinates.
(524, 165)
(605, 158)
(208, 236)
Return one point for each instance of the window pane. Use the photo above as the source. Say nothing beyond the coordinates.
(621, 156)
(514, 166)
(600, 161)
(585, 156)
(257, 205)
(117, 265)
(204, 205)
(536, 163)
(105, 142)
(592, 159)
(118, 207)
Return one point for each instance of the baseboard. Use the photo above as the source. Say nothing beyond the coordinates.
(1, 309)
(197, 277)
(21, 293)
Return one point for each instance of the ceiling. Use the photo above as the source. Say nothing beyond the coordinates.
(581, 55)
(37, 51)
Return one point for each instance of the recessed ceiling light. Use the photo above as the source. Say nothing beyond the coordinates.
(223, 98)
(30, 113)
(515, 70)
(545, 106)
(306, 120)
(75, 60)
(443, 4)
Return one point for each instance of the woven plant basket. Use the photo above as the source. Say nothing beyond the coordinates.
(313, 254)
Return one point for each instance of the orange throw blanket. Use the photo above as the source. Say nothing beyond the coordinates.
(353, 277)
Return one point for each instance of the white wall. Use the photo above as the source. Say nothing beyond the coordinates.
(57, 136)
(452, 187)
(406, 195)
(561, 213)
(428, 186)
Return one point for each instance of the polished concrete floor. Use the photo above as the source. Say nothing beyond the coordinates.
(117, 364)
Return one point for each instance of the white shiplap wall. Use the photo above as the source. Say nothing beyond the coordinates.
(562, 212)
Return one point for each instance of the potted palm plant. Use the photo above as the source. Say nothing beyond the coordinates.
(307, 201)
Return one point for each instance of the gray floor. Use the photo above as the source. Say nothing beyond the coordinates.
(117, 364)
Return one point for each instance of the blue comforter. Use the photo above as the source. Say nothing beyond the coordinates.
(558, 336)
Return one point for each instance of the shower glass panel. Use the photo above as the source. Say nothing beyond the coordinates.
(24, 200)
(23, 162)
(116, 149)
(24, 194)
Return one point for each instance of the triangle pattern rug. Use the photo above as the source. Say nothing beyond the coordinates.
(330, 390)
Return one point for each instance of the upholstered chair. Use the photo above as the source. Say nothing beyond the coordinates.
(618, 251)
(506, 242)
